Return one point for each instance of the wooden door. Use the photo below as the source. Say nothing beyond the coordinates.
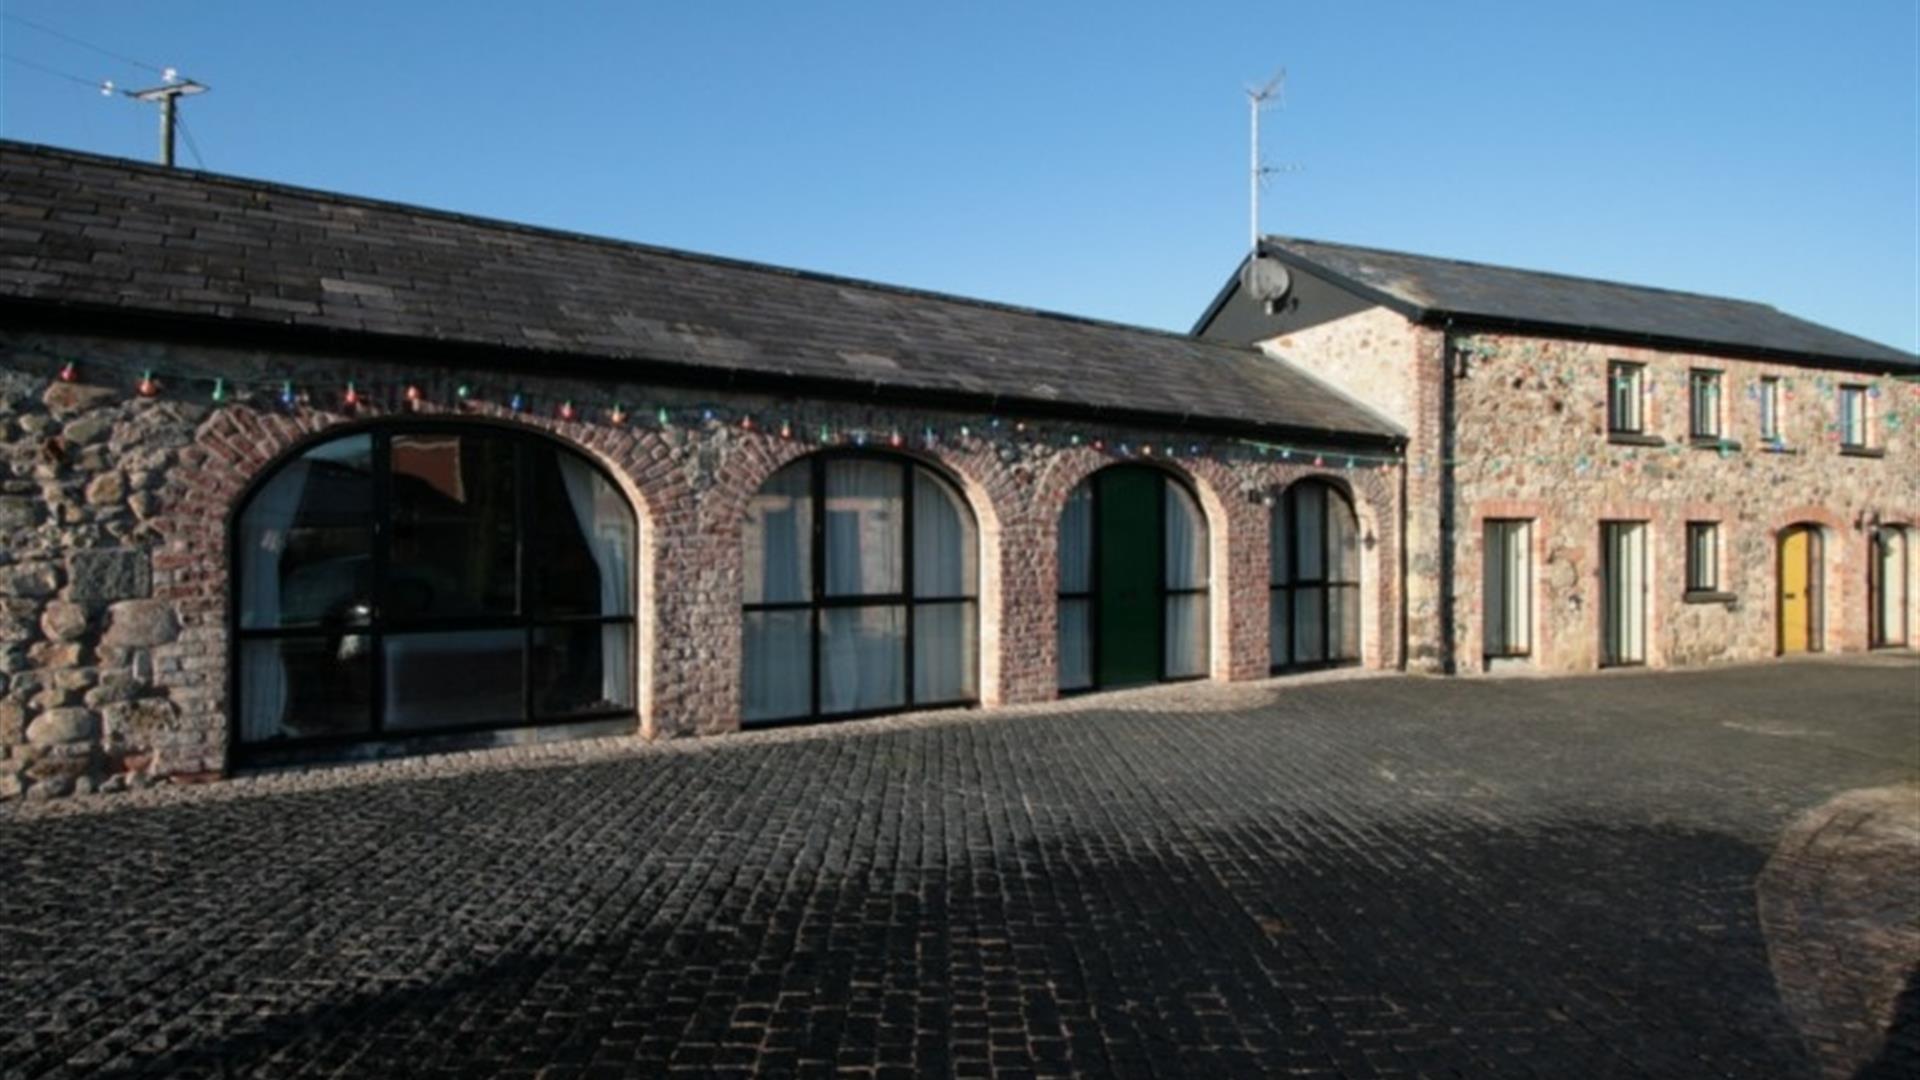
(1128, 517)
(1796, 590)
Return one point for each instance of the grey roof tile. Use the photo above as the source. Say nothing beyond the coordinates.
(171, 242)
(1424, 287)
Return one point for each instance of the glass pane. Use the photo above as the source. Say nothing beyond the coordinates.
(306, 545)
(454, 679)
(864, 522)
(455, 534)
(1186, 540)
(1309, 627)
(1343, 539)
(944, 652)
(1280, 627)
(1076, 541)
(777, 673)
(1309, 535)
(779, 538)
(582, 669)
(584, 534)
(1186, 651)
(943, 541)
(863, 659)
(298, 688)
(1343, 622)
(1277, 544)
(1075, 645)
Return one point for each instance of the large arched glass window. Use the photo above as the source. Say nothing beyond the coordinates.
(1132, 564)
(861, 591)
(1315, 556)
(430, 578)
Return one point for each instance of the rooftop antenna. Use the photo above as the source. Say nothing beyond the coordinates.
(1257, 102)
(167, 96)
(1265, 278)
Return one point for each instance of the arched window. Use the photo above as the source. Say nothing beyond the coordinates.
(861, 591)
(1314, 547)
(428, 578)
(1132, 565)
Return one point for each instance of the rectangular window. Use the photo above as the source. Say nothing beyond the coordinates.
(1770, 410)
(1704, 399)
(1508, 581)
(1626, 383)
(1853, 417)
(1703, 556)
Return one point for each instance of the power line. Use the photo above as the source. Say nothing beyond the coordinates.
(91, 84)
(122, 57)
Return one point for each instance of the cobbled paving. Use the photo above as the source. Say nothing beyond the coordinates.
(1359, 877)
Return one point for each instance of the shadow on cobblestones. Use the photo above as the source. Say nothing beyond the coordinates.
(1228, 952)
(1397, 877)
(1899, 1056)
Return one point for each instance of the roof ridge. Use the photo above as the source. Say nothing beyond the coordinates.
(1561, 274)
(463, 217)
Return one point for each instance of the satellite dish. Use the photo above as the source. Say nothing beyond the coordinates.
(1266, 280)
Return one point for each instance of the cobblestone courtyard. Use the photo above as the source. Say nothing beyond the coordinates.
(1350, 877)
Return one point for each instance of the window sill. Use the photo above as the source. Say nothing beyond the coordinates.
(1703, 596)
(1863, 451)
(1634, 438)
(1713, 442)
(1777, 448)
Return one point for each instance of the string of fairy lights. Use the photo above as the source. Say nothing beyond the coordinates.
(827, 425)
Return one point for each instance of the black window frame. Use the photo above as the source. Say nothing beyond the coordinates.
(1161, 589)
(1283, 512)
(1637, 373)
(820, 601)
(379, 626)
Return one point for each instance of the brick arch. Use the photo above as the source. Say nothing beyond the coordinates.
(1369, 502)
(1839, 593)
(237, 447)
(1205, 479)
(986, 483)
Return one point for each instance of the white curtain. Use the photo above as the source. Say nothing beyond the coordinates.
(1185, 568)
(264, 527)
(1074, 559)
(864, 510)
(778, 680)
(605, 523)
(862, 658)
(1505, 569)
(944, 548)
(779, 538)
(1309, 531)
(943, 540)
(1892, 597)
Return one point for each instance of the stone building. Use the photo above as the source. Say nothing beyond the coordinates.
(292, 474)
(1603, 474)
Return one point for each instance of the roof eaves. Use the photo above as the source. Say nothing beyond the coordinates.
(1276, 246)
(1666, 343)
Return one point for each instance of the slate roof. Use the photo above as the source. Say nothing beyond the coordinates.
(82, 233)
(1429, 289)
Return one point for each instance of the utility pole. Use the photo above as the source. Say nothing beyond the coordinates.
(168, 98)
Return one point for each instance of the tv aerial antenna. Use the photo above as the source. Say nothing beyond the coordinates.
(1266, 278)
(1259, 99)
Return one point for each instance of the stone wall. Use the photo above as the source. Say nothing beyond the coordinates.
(115, 508)
(1531, 441)
(1509, 426)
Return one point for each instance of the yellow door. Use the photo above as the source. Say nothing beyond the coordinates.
(1795, 552)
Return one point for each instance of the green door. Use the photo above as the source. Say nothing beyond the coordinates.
(1128, 648)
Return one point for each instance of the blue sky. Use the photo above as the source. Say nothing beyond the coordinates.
(1085, 158)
